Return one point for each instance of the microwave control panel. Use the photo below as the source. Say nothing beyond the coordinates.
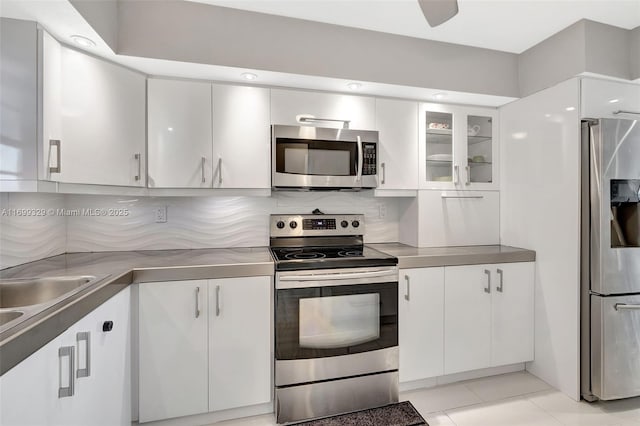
(369, 159)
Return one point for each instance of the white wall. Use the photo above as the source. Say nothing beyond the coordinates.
(540, 210)
(27, 238)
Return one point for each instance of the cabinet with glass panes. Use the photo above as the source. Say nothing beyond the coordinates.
(458, 147)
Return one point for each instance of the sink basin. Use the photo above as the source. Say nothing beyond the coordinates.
(6, 317)
(25, 292)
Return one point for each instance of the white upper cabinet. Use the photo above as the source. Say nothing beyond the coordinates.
(93, 119)
(286, 105)
(179, 134)
(397, 123)
(18, 109)
(601, 98)
(458, 147)
(241, 137)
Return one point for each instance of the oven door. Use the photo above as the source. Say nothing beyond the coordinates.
(335, 323)
(315, 157)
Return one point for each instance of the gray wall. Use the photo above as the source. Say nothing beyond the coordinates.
(223, 36)
(102, 15)
(607, 50)
(555, 59)
(634, 46)
(585, 46)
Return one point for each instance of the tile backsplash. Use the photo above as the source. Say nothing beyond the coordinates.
(192, 222)
(30, 227)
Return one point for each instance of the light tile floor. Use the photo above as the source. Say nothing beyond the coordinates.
(515, 399)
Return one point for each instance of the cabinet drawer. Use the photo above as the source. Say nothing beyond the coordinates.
(455, 218)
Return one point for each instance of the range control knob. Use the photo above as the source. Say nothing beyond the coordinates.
(355, 223)
(280, 224)
(293, 224)
(344, 223)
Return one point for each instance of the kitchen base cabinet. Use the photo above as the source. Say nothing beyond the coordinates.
(512, 313)
(173, 349)
(240, 357)
(421, 323)
(90, 366)
(488, 315)
(467, 319)
(205, 345)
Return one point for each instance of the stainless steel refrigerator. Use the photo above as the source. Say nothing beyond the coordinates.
(610, 274)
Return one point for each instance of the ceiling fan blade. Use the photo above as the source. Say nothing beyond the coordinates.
(438, 11)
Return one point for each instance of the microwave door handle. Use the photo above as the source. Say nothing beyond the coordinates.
(360, 159)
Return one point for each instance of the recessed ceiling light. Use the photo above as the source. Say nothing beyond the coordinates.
(570, 108)
(354, 86)
(440, 95)
(614, 101)
(249, 76)
(83, 41)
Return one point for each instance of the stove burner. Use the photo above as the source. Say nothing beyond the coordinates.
(305, 255)
(350, 253)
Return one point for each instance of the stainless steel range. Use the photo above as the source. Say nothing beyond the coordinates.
(336, 318)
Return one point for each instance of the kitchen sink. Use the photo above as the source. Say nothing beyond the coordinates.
(26, 292)
(6, 317)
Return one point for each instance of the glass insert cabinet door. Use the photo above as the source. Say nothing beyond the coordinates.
(440, 165)
(457, 147)
(479, 167)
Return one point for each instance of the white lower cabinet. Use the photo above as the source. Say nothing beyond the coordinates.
(488, 315)
(421, 317)
(239, 342)
(82, 377)
(173, 349)
(461, 318)
(205, 345)
(467, 319)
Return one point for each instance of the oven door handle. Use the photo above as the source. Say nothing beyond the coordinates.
(340, 276)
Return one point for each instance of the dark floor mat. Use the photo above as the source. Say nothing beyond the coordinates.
(399, 414)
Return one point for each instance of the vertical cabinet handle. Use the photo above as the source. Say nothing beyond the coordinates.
(501, 275)
(138, 157)
(202, 164)
(487, 289)
(456, 175)
(66, 351)
(217, 300)
(384, 173)
(84, 336)
(219, 170)
(56, 143)
(468, 170)
(197, 302)
(407, 295)
(360, 159)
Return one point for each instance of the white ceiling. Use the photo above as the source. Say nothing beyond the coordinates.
(507, 25)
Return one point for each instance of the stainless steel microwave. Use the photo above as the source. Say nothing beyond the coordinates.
(319, 158)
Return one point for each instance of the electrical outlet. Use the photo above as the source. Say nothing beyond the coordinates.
(161, 214)
(382, 211)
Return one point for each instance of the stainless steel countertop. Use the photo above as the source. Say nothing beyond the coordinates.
(121, 269)
(416, 257)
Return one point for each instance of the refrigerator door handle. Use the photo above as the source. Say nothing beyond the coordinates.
(625, 307)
